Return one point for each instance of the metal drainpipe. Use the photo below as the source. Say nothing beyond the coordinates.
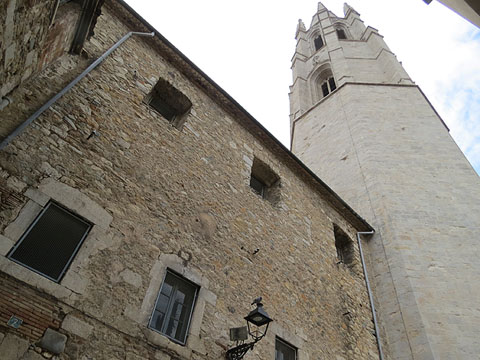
(4, 102)
(370, 296)
(50, 102)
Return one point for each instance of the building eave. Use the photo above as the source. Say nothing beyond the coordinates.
(197, 76)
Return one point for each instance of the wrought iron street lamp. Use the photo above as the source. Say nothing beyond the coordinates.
(257, 327)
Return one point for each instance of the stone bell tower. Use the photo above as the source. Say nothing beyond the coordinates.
(368, 131)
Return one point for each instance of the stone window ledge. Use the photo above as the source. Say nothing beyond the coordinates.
(75, 280)
(142, 315)
(297, 339)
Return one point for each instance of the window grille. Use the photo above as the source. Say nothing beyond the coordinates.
(51, 242)
(173, 309)
(344, 245)
(257, 185)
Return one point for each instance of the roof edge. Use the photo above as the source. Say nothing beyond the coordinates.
(335, 200)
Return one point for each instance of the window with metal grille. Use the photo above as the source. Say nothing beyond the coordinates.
(51, 242)
(284, 351)
(169, 102)
(173, 309)
(265, 182)
(344, 245)
(318, 42)
(341, 34)
(257, 185)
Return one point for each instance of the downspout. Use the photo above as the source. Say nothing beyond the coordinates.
(4, 102)
(50, 102)
(369, 289)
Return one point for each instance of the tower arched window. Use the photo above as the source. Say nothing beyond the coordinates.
(327, 85)
(318, 42)
(322, 82)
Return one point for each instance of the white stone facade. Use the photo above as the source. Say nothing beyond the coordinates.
(378, 142)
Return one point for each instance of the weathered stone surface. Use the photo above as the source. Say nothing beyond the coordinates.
(53, 341)
(163, 198)
(379, 143)
(76, 326)
(32, 355)
(13, 347)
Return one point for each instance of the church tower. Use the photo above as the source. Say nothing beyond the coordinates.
(368, 131)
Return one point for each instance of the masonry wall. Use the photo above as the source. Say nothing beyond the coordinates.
(386, 151)
(163, 198)
(33, 34)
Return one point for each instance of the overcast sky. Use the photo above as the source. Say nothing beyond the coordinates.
(246, 47)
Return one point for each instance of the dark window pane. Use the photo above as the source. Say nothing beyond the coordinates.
(257, 185)
(162, 303)
(167, 288)
(167, 111)
(157, 320)
(331, 82)
(50, 244)
(341, 34)
(325, 89)
(284, 351)
(318, 43)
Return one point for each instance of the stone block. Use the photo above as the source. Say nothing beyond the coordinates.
(53, 341)
(32, 355)
(5, 245)
(23, 221)
(13, 347)
(131, 277)
(76, 326)
(77, 201)
(37, 196)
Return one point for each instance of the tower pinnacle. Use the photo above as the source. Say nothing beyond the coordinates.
(347, 8)
(321, 7)
(300, 28)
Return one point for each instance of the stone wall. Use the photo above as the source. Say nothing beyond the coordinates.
(33, 34)
(159, 198)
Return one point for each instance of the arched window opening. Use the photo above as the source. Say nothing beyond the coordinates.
(318, 42)
(341, 34)
(322, 82)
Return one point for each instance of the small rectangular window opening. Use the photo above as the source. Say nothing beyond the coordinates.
(341, 34)
(173, 309)
(318, 43)
(344, 245)
(257, 185)
(284, 351)
(265, 182)
(51, 242)
(169, 102)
